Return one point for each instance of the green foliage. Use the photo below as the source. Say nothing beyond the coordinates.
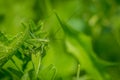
(59, 40)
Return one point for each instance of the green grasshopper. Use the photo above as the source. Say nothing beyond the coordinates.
(32, 46)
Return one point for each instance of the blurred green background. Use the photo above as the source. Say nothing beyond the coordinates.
(80, 32)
